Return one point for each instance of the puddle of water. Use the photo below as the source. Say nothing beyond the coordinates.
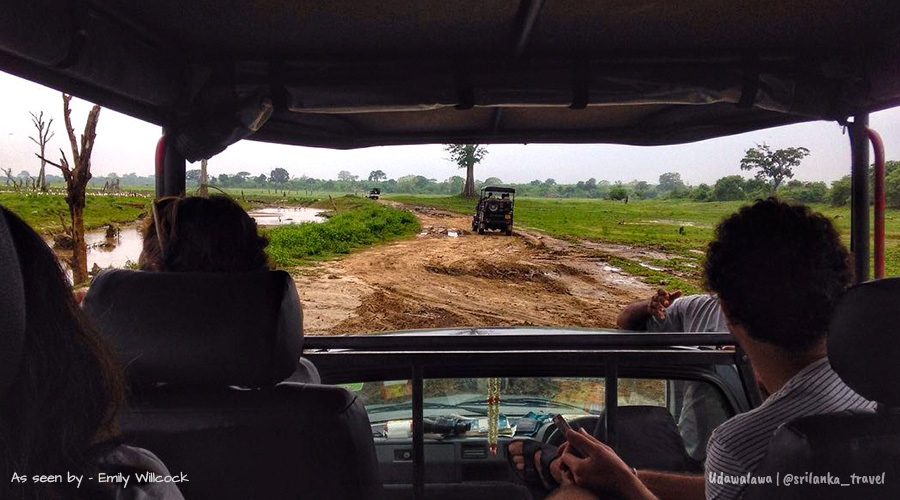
(286, 215)
(613, 269)
(670, 222)
(114, 252)
(117, 252)
(653, 268)
(107, 252)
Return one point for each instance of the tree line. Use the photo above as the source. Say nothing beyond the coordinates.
(669, 186)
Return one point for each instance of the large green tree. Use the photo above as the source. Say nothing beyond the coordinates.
(773, 166)
(279, 176)
(466, 156)
(729, 188)
(670, 181)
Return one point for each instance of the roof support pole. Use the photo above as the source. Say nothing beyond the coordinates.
(878, 149)
(611, 379)
(418, 432)
(859, 196)
(170, 167)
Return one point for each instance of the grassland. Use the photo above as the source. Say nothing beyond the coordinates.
(43, 211)
(679, 228)
(357, 223)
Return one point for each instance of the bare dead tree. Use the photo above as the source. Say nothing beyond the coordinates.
(9, 178)
(77, 174)
(204, 191)
(43, 137)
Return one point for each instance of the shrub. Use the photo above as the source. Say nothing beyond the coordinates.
(365, 225)
(729, 188)
(840, 191)
(617, 192)
(702, 193)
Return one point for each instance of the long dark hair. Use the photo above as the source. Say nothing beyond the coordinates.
(59, 413)
(196, 234)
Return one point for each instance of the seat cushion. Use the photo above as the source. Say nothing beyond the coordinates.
(293, 441)
(836, 445)
(12, 307)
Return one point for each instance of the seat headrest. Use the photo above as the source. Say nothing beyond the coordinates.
(200, 329)
(864, 340)
(12, 307)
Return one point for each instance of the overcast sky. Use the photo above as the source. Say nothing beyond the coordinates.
(127, 145)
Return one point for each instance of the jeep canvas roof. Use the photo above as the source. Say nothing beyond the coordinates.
(344, 74)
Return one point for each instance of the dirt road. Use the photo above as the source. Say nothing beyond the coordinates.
(448, 276)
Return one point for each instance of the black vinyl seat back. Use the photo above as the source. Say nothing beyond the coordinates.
(648, 438)
(12, 308)
(291, 441)
(206, 356)
(201, 329)
(857, 448)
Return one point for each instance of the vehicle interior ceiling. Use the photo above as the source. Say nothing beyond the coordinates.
(343, 75)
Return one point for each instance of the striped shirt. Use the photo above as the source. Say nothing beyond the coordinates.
(738, 446)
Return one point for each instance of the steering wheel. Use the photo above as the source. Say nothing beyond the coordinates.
(588, 422)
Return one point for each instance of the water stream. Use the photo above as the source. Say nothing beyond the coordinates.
(126, 246)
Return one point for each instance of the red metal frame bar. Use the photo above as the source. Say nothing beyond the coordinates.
(878, 147)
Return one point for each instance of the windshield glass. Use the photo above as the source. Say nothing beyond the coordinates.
(458, 407)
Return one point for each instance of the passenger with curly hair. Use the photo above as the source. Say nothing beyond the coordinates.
(778, 270)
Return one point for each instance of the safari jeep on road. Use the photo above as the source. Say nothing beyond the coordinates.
(213, 394)
(494, 211)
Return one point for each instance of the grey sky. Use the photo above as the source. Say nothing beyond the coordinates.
(126, 145)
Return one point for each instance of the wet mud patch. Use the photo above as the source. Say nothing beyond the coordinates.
(512, 272)
(382, 311)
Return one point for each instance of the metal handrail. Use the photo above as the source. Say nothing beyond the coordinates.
(512, 340)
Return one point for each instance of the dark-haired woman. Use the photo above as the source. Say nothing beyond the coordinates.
(57, 415)
(195, 234)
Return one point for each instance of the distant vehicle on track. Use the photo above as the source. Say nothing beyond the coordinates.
(374, 193)
(495, 210)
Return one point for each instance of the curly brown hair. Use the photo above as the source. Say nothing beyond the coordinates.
(779, 269)
(196, 234)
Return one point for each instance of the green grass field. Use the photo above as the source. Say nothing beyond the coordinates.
(42, 212)
(357, 223)
(651, 224)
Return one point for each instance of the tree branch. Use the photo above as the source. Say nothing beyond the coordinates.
(67, 118)
(57, 165)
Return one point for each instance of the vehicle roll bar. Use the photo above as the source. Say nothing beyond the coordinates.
(170, 167)
(861, 135)
(859, 196)
(497, 340)
(878, 148)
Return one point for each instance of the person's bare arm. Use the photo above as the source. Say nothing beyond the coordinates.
(670, 486)
(635, 315)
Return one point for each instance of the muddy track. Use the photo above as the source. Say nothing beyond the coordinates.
(448, 276)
